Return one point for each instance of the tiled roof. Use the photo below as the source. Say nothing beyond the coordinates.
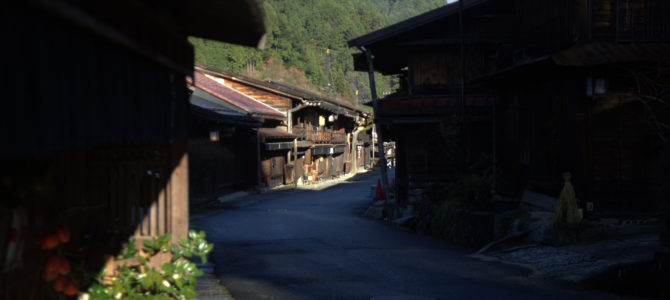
(234, 97)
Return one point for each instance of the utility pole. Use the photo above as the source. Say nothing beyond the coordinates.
(380, 140)
(330, 74)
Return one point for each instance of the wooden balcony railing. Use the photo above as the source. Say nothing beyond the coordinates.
(338, 137)
(320, 135)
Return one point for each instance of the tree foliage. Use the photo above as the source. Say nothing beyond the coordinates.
(306, 44)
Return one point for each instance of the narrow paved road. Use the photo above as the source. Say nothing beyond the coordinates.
(302, 244)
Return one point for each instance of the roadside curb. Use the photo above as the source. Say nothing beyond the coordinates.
(208, 287)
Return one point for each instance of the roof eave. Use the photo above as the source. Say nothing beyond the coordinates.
(239, 22)
(409, 24)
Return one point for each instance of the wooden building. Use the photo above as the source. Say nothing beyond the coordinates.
(261, 150)
(564, 78)
(222, 147)
(576, 98)
(424, 52)
(323, 127)
(95, 125)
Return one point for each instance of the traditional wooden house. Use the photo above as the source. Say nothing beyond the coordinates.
(95, 134)
(221, 146)
(425, 52)
(583, 93)
(261, 151)
(323, 127)
(572, 84)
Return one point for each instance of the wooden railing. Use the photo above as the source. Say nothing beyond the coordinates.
(320, 135)
(338, 137)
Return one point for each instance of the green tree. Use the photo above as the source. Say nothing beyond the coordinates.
(306, 44)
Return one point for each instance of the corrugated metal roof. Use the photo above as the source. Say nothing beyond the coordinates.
(235, 97)
(203, 100)
(207, 106)
(277, 87)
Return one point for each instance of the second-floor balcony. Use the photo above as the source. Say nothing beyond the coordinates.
(320, 135)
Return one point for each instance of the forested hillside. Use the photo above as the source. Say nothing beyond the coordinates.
(306, 43)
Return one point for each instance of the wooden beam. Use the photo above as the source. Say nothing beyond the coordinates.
(80, 18)
(380, 140)
(179, 190)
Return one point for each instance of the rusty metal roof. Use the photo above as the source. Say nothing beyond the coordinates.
(277, 88)
(235, 97)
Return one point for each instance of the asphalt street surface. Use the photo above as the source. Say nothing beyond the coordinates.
(305, 244)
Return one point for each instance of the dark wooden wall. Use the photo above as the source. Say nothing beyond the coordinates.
(272, 168)
(103, 196)
(642, 20)
(433, 68)
(217, 167)
(548, 25)
(620, 154)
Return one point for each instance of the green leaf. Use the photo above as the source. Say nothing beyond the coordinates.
(148, 244)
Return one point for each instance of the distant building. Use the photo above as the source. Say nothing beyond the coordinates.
(322, 131)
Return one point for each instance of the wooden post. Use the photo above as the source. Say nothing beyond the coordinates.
(295, 149)
(380, 141)
(354, 149)
(295, 161)
(178, 190)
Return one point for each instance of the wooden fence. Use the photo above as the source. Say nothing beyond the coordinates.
(133, 184)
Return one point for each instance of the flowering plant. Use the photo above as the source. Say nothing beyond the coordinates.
(174, 279)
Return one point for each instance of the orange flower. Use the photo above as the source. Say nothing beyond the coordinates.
(49, 242)
(59, 284)
(64, 235)
(49, 274)
(52, 263)
(70, 289)
(64, 267)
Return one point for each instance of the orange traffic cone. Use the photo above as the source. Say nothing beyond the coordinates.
(379, 195)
